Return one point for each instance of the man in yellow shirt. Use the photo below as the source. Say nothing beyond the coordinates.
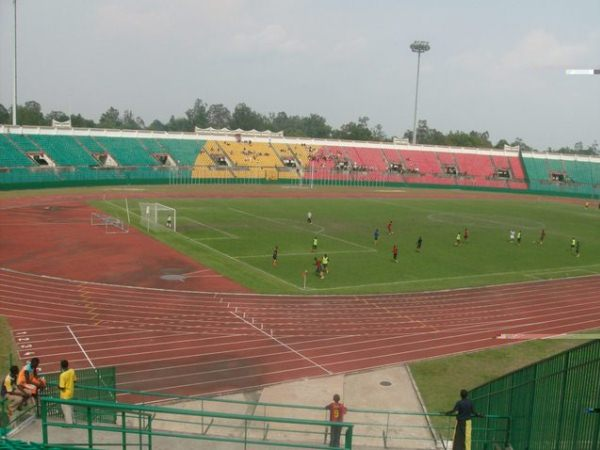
(66, 384)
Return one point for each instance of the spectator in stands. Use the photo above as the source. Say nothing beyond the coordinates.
(66, 385)
(465, 411)
(16, 396)
(29, 379)
(337, 411)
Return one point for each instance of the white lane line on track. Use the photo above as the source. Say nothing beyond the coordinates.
(281, 343)
(81, 347)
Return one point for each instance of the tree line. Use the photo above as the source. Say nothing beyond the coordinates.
(202, 115)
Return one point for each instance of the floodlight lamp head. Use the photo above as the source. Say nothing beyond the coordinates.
(420, 46)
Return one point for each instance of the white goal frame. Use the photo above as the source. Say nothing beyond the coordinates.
(157, 215)
(112, 225)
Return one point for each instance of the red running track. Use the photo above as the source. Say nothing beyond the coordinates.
(193, 343)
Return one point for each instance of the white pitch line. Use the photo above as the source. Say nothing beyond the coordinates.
(307, 253)
(225, 233)
(354, 244)
(282, 343)
(81, 347)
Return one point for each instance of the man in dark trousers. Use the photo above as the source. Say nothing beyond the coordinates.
(464, 410)
(337, 410)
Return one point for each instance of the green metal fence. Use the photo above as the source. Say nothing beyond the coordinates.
(147, 427)
(548, 402)
(103, 378)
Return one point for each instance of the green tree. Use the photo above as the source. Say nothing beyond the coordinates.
(246, 118)
(78, 121)
(4, 114)
(316, 126)
(218, 116)
(179, 124)
(197, 115)
(355, 131)
(501, 143)
(110, 119)
(56, 115)
(129, 122)
(30, 114)
(157, 125)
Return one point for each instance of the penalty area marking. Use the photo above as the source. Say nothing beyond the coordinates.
(81, 347)
(270, 336)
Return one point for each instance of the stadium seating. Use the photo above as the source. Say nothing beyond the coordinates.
(250, 154)
(11, 155)
(64, 150)
(183, 151)
(126, 151)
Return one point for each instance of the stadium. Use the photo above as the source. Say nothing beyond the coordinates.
(214, 287)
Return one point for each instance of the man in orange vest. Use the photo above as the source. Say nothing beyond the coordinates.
(337, 410)
(28, 378)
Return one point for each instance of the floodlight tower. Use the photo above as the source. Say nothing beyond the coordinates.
(14, 108)
(418, 47)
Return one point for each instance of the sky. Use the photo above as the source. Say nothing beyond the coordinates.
(496, 66)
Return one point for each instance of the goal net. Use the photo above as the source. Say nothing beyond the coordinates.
(158, 217)
(111, 224)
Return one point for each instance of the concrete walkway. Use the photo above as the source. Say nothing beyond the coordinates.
(388, 389)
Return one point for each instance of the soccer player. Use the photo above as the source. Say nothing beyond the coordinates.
(395, 252)
(511, 236)
(319, 268)
(325, 262)
(376, 236)
(309, 217)
(169, 222)
(466, 235)
(389, 227)
(577, 248)
(542, 236)
(519, 234)
(457, 241)
(465, 411)
(275, 255)
(315, 244)
(419, 244)
(573, 243)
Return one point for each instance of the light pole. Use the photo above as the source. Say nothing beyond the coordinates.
(14, 109)
(417, 47)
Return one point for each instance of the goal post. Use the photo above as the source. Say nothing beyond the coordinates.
(158, 216)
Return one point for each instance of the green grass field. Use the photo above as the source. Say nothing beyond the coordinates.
(236, 237)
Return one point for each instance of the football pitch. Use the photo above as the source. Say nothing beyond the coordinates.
(236, 237)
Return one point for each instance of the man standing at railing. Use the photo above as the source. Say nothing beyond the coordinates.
(465, 411)
(66, 384)
(337, 410)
